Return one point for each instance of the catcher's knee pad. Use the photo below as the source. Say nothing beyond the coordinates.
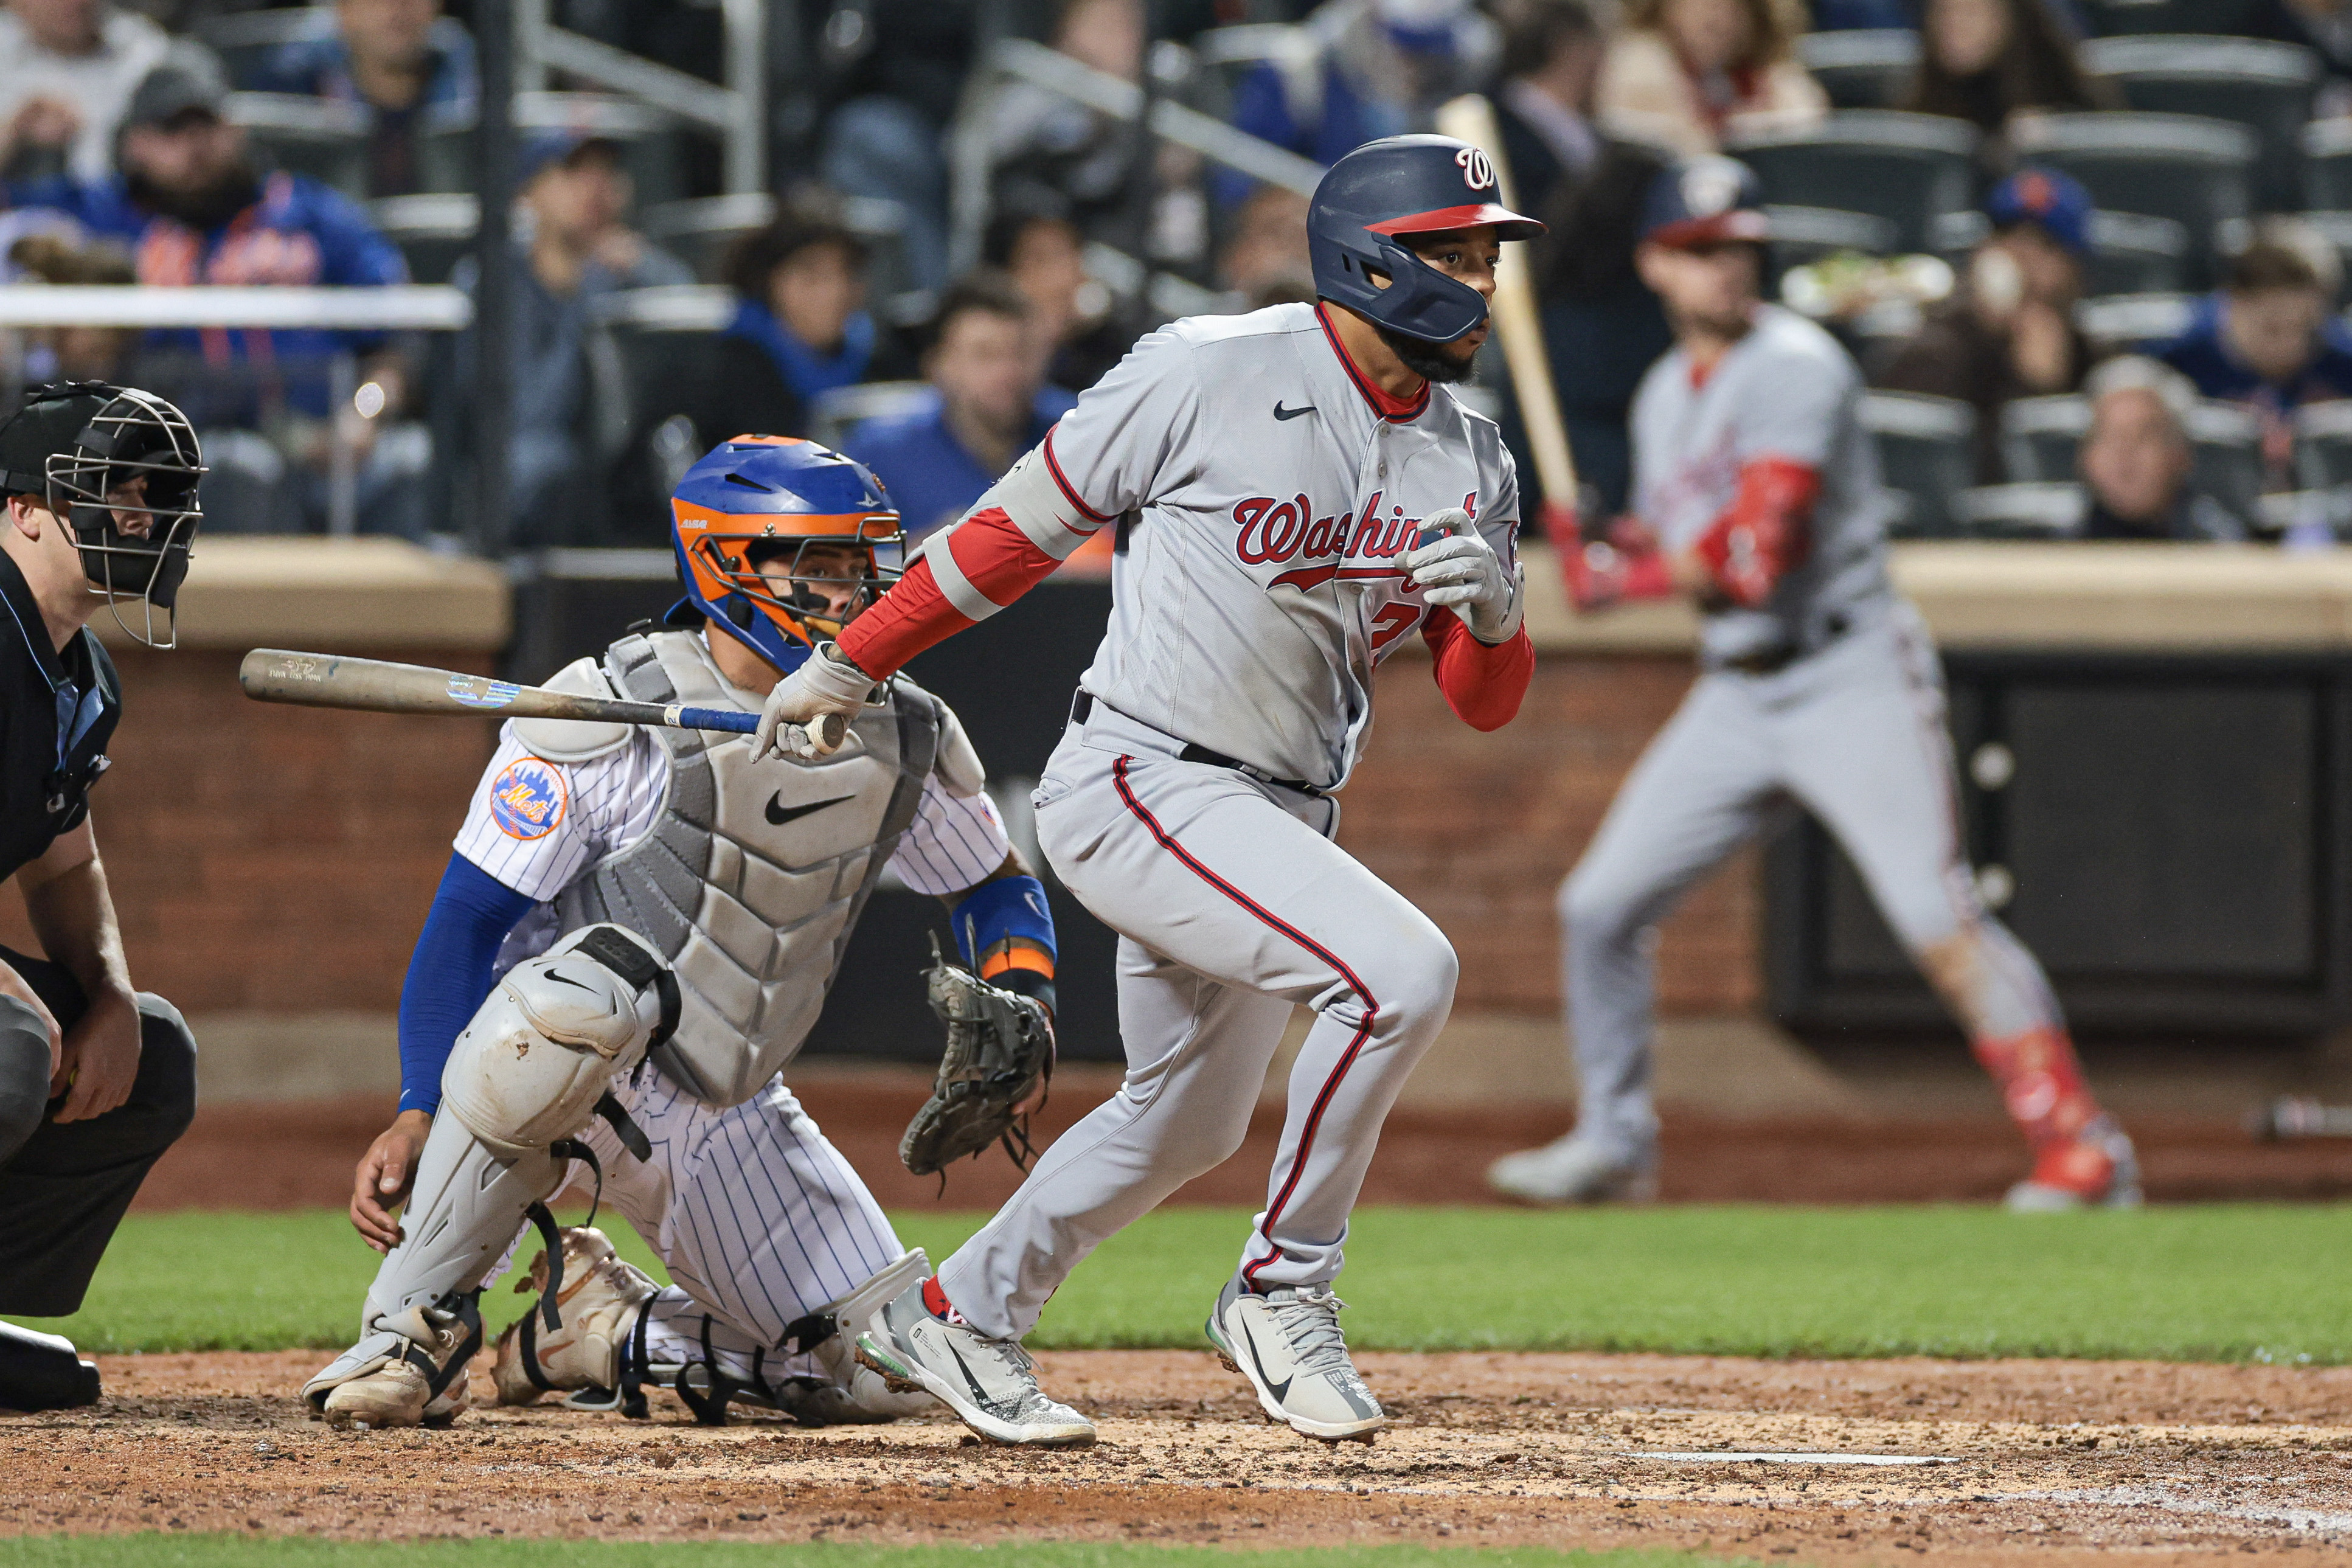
(531, 1065)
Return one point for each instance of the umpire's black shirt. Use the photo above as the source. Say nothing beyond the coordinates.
(57, 714)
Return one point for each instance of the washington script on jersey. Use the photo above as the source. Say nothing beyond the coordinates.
(1276, 531)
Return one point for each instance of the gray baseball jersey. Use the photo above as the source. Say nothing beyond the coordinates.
(1271, 491)
(1786, 390)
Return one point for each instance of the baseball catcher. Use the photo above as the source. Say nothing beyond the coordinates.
(635, 934)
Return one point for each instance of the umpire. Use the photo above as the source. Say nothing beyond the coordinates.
(96, 1080)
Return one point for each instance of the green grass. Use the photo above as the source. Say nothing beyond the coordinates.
(2207, 1283)
(294, 1551)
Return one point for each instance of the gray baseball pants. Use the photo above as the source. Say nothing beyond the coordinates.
(1853, 734)
(1231, 905)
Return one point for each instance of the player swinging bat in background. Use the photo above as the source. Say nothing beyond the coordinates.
(636, 932)
(1757, 494)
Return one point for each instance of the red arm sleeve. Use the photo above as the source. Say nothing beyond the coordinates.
(995, 563)
(1484, 684)
(1765, 530)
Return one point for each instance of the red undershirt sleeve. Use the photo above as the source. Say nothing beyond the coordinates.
(993, 557)
(1484, 684)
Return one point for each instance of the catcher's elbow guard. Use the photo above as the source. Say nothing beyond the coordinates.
(547, 1042)
(1005, 929)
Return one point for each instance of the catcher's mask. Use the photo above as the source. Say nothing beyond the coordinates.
(121, 466)
(770, 531)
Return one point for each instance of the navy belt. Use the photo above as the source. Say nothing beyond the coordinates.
(1083, 705)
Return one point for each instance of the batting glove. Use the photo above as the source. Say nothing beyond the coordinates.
(1462, 572)
(807, 715)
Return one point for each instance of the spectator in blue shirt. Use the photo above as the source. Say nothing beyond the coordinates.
(193, 206)
(2269, 338)
(401, 60)
(1377, 68)
(986, 369)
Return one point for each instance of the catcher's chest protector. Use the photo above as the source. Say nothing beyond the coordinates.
(753, 875)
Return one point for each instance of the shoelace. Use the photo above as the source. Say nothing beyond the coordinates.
(1309, 1320)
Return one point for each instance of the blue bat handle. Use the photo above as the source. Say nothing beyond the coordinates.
(728, 719)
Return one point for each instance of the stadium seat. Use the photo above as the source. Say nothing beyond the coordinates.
(245, 40)
(2021, 511)
(2196, 171)
(1862, 67)
(432, 231)
(700, 231)
(653, 146)
(2265, 87)
(1908, 169)
(2323, 446)
(1926, 455)
(2125, 321)
(838, 412)
(2038, 437)
(322, 138)
(2328, 165)
(1800, 235)
(2112, 17)
(2130, 254)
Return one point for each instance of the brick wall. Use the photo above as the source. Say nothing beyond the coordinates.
(268, 858)
(280, 859)
(1479, 829)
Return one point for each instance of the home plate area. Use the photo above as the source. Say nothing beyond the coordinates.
(1811, 1459)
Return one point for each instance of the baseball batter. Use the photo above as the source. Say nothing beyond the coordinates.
(1758, 492)
(1293, 498)
(663, 919)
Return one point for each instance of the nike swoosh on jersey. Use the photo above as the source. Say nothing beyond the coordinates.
(1281, 1391)
(778, 813)
(1282, 413)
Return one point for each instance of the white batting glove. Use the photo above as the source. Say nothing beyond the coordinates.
(1462, 572)
(807, 715)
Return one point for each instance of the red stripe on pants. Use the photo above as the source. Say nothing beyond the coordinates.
(1363, 1031)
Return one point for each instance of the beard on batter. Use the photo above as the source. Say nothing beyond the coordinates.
(1431, 362)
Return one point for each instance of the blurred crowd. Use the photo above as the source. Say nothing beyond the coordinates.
(2090, 252)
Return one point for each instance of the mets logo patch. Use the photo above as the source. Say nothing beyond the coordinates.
(528, 798)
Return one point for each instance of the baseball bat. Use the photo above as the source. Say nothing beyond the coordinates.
(1471, 118)
(332, 680)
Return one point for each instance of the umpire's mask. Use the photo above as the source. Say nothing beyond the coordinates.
(121, 466)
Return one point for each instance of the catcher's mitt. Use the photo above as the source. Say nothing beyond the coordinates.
(999, 1045)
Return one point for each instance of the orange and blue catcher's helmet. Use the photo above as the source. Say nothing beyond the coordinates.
(762, 500)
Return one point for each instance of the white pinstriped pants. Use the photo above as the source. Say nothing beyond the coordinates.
(1854, 735)
(754, 1211)
(1231, 904)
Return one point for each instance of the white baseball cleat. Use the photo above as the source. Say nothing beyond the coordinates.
(2099, 1169)
(1287, 1344)
(990, 1385)
(598, 1304)
(1573, 1170)
(410, 1376)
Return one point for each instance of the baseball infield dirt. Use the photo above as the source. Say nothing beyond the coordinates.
(2042, 1460)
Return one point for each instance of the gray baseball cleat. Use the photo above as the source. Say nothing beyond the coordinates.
(412, 1375)
(1287, 1344)
(990, 1385)
(1574, 1170)
(2119, 1188)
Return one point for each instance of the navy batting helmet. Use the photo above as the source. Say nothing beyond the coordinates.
(1401, 186)
(1705, 200)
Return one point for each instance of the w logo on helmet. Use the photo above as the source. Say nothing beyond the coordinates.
(1477, 170)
